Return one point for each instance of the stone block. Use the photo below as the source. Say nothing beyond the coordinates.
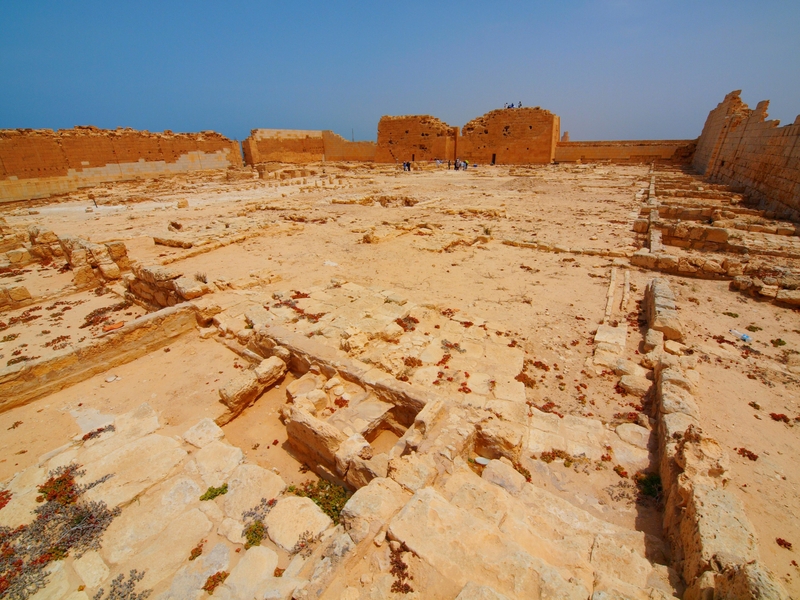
(216, 461)
(634, 434)
(291, 518)
(247, 485)
(240, 392)
(503, 474)
(653, 339)
(635, 385)
(252, 573)
(270, 370)
(203, 433)
(313, 438)
(18, 293)
(495, 438)
(371, 506)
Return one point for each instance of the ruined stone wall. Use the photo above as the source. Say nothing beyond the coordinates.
(627, 151)
(740, 147)
(339, 149)
(36, 163)
(283, 145)
(511, 136)
(415, 138)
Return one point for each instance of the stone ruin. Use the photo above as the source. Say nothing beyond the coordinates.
(256, 387)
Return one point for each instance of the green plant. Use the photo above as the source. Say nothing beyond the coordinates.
(753, 328)
(649, 485)
(254, 533)
(731, 314)
(777, 342)
(197, 551)
(212, 492)
(330, 497)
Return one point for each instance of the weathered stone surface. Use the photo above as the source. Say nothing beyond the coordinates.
(291, 517)
(413, 471)
(634, 385)
(91, 569)
(241, 391)
(232, 529)
(148, 517)
(281, 588)
(473, 591)
(251, 574)
(189, 580)
(135, 466)
(501, 563)
(216, 461)
(503, 474)
(620, 562)
(749, 581)
(634, 434)
(270, 370)
(166, 553)
(371, 506)
(313, 437)
(714, 527)
(349, 449)
(247, 485)
(496, 438)
(190, 288)
(653, 339)
(202, 434)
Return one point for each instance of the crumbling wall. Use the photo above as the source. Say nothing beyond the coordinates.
(36, 163)
(511, 136)
(415, 138)
(283, 145)
(740, 147)
(627, 151)
(339, 149)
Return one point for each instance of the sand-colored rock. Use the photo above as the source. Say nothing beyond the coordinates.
(291, 518)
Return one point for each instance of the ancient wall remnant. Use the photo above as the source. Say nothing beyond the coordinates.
(339, 149)
(740, 147)
(302, 146)
(415, 138)
(283, 145)
(36, 163)
(511, 136)
(626, 151)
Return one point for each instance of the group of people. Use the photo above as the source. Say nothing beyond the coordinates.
(407, 166)
(519, 105)
(461, 164)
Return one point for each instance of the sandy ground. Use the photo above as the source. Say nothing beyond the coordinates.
(416, 238)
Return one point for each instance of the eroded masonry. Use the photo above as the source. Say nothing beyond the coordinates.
(570, 371)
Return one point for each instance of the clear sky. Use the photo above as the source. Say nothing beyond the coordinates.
(612, 69)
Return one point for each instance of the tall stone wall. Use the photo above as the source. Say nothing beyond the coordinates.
(511, 136)
(628, 151)
(36, 163)
(415, 138)
(740, 147)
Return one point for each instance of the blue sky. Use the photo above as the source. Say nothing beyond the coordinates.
(612, 69)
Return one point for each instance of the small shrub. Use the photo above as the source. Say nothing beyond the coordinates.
(620, 470)
(212, 492)
(401, 574)
(305, 544)
(197, 551)
(201, 277)
(649, 485)
(214, 581)
(733, 315)
(124, 590)
(777, 342)
(330, 497)
(753, 328)
(254, 533)
(5, 498)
